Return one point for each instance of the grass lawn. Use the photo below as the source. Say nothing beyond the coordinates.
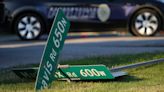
(142, 79)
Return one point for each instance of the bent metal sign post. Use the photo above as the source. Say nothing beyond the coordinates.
(49, 62)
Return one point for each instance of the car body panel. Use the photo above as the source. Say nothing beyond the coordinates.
(81, 11)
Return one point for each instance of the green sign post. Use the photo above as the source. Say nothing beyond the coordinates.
(49, 62)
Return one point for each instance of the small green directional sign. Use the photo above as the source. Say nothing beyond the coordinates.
(49, 62)
(73, 72)
(84, 72)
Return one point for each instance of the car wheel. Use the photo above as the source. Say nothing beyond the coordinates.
(29, 26)
(145, 22)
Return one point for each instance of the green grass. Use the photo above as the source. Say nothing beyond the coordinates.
(143, 79)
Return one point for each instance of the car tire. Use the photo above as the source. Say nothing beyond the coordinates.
(29, 26)
(145, 22)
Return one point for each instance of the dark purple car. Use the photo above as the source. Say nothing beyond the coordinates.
(30, 18)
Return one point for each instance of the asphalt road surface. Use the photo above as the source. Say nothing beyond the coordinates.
(14, 52)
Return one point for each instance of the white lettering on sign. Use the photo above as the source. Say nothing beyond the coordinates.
(91, 73)
(44, 84)
(58, 32)
(47, 72)
(45, 76)
(75, 12)
(58, 75)
(95, 72)
(102, 73)
(73, 75)
(48, 67)
(53, 55)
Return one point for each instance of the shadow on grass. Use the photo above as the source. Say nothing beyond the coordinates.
(127, 78)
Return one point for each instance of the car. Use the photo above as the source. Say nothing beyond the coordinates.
(31, 18)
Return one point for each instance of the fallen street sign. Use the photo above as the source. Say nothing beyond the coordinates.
(74, 73)
(55, 42)
(84, 72)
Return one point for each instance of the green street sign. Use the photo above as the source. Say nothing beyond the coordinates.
(73, 73)
(84, 72)
(49, 61)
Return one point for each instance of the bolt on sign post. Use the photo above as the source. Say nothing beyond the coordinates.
(55, 42)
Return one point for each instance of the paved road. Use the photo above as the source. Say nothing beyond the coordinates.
(15, 52)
